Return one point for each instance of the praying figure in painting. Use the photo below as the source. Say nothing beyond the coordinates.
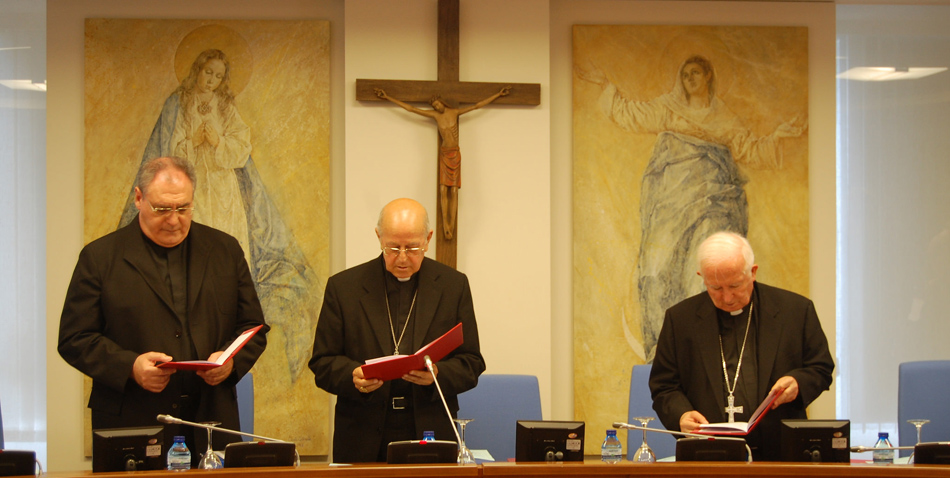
(210, 133)
(692, 185)
(450, 157)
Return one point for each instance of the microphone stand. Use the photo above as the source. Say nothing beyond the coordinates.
(686, 434)
(464, 453)
(669, 432)
(177, 421)
(862, 449)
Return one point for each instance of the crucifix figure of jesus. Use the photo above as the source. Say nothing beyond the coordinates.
(454, 98)
(450, 156)
(732, 409)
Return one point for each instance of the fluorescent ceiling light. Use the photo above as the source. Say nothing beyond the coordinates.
(887, 73)
(24, 85)
(14, 48)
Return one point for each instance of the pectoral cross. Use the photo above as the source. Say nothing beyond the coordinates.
(450, 92)
(732, 409)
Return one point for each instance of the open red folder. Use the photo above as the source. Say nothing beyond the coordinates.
(395, 366)
(222, 359)
(741, 428)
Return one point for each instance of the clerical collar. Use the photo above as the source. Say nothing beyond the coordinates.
(160, 249)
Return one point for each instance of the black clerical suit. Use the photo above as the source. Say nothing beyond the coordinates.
(119, 305)
(354, 326)
(687, 370)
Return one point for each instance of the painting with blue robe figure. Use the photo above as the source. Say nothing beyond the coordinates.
(679, 132)
(247, 102)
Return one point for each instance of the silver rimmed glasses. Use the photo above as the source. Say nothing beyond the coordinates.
(465, 455)
(917, 423)
(644, 453)
(165, 210)
(410, 251)
(210, 460)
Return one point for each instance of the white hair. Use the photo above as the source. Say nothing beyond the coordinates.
(722, 247)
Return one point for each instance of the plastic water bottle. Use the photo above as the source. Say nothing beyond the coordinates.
(611, 451)
(428, 435)
(179, 456)
(883, 457)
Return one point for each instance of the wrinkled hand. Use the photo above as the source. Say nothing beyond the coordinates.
(216, 375)
(363, 385)
(791, 390)
(147, 375)
(421, 377)
(691, 420)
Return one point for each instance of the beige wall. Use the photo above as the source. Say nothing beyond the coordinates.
(515, 206)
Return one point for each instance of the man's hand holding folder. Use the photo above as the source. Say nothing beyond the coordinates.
(395, 366)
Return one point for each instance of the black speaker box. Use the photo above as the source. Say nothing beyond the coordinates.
(709, 449)
(17, 462)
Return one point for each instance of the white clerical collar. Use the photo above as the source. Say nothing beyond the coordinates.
(736, 312)
(403, 279)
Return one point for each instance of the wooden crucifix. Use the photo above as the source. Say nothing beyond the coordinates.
(445, 96)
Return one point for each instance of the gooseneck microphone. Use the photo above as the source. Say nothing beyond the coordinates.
(177, 421)
(458, 438)
(639, 427)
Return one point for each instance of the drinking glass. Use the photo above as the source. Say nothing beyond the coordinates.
(917, 423)
(644, 453)
(210, 460)
(465, 455)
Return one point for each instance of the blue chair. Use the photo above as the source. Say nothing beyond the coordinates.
(922, 392)
(641, 405)
(245, 398)
(496, 404)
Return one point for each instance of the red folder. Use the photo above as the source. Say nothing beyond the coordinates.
(741, 428)
(222, 359)
(395, 366)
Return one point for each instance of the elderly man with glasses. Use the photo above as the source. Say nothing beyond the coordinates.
(162, 289)
(393, 304)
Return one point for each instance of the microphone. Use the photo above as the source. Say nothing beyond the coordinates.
(862, 449)
(177, 421)
(670, 432)
(458, 437)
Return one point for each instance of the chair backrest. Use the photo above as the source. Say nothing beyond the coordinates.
(641, 405)
(245, 398)
(922, 392)
(496, 405)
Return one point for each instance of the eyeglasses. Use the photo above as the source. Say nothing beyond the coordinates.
(410, 251)
(165, 211)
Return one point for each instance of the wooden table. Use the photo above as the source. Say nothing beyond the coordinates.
(592, 467)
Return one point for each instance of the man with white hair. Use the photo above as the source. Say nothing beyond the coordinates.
(720, 353)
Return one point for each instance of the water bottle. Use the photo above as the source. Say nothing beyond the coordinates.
(883, 457)
(428, 435)
(179, 456)
(611, 451)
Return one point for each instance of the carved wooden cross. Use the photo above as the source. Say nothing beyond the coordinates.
(453, 93)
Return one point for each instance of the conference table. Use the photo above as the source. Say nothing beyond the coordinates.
(590, 467)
